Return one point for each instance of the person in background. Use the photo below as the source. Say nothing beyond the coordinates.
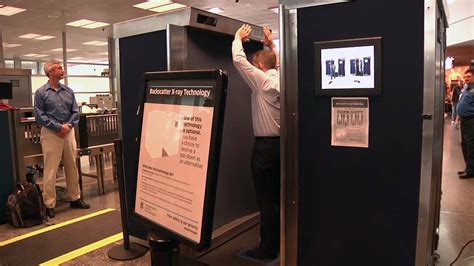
(57, 112)
(263, 79)
(455, 93)
(465, 110)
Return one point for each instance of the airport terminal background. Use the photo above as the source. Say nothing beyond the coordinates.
(91, 61)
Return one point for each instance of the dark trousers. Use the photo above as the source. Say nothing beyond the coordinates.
(467, 142)
(266, 180)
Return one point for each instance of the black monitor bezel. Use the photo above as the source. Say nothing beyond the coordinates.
(6, 86)
(372, 41)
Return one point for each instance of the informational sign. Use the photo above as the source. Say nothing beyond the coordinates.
(350, 122)
(174, 154)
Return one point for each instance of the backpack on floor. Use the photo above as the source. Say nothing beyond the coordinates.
(25, 207)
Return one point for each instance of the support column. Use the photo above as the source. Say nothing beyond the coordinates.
(2, 59)
(16, 62)
(64, 57)
(111, 55)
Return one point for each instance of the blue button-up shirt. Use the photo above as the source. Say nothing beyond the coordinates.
(466, 102)
(55, 108)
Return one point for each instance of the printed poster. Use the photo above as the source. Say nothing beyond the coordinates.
(174, 152)
(350, 122)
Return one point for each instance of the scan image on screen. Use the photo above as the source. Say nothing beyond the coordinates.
(347, 68)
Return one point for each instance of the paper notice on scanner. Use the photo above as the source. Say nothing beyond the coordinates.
(350, 122)
(172, 168)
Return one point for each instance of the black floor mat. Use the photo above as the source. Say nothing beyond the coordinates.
(49, 245)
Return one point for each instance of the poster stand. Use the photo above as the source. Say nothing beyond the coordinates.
(127, 250)
(164, 251)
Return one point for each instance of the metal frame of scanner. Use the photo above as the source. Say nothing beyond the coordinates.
(189, 16)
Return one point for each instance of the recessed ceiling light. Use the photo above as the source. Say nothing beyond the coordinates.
(95, 43)
(105, 53)
(216, 10)
(152, 4)
(44, 37)
(169, 7)
(10, 45)
(95, 25)
(450, 1)
(61, 49)
(76, 58)
(10, 11)
(31, 55)
(79, 23)
(29, 36)
(274, 10)
(41, 55)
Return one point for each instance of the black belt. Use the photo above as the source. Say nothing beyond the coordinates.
(269, 138)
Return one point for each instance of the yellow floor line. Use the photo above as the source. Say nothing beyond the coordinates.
(81, 251)
(52, 227)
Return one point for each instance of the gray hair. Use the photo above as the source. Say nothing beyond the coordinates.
(48, 66)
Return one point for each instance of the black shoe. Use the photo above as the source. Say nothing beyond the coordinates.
(466, 176)
(79, 204)
(461, 172)
(261, 254)
(50, 213)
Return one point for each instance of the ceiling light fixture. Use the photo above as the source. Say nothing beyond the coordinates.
(95, 43)
(88, 24)
(216, 10)
(61, 49)
(44, 37)
(80, 22)
(35, 55)
(152, 4)
(274, 9)
(169, 7)
(10, 45)
(95, 25)
(10, 11)
(29, 36)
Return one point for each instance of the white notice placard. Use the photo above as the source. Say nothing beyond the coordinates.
(173, 162)
(350, 122)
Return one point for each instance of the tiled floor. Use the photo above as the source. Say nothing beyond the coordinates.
(457, 204)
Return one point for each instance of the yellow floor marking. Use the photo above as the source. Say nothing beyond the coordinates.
(81, 251)
(52, 227)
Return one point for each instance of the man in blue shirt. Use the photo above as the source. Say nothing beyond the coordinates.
(57, 112)
(465, 111)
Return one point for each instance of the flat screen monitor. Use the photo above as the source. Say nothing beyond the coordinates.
(6, 91)
(348, 67)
